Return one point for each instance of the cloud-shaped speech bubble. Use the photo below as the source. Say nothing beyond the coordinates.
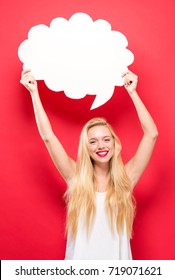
(78, 56)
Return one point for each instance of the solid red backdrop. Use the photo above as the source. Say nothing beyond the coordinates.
(32, 210)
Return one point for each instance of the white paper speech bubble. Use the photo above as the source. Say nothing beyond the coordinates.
(78, 56)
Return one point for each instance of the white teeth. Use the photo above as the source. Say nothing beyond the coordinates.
(102, 153)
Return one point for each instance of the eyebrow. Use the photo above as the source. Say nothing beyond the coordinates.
(106, 136)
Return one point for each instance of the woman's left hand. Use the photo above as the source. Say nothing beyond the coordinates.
(130, 81)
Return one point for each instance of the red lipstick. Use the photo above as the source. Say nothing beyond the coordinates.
(102, 153)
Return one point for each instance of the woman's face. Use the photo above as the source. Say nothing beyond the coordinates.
(100, 144)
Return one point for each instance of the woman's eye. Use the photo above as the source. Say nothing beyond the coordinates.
(107, 140)
(92, 142)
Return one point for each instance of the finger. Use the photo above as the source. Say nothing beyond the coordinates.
(25, 71)
(126, 72)
(127, 79)
(27, 79)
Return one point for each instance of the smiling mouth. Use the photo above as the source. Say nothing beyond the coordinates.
(102, 153)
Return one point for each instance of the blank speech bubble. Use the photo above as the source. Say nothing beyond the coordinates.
(78, 56)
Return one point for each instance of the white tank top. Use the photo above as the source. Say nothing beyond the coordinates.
(100, 243)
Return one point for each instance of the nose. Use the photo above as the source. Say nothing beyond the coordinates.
(101, 145)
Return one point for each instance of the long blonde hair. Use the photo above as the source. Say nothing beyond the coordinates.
(81, 193)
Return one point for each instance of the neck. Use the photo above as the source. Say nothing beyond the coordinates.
(101, 173)
(101, 169)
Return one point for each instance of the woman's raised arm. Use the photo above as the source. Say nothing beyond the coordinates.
(62, 161)
(139, 161)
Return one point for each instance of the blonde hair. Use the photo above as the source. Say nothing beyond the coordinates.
(81, 194)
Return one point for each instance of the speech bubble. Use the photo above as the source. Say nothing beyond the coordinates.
(78, 56)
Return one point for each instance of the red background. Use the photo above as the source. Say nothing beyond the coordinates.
(32, 211)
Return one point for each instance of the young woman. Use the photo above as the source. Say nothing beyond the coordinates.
(100, 206)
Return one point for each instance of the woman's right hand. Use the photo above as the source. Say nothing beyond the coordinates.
(28, 80)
